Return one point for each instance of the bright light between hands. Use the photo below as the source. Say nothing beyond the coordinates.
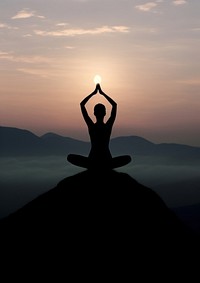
(97, 79)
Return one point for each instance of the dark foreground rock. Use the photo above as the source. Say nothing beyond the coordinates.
(100, 217)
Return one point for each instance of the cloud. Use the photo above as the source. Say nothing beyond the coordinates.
(75, 32)
(5, 26)
(35, 72)
(40, 66)
(147, 7)
(196, 29)
(43, 72)
(2, 54)
(62, 24)
(26, 13)
(83, 1)
(179, 2)
(70, 47)
(6, 56)
(23, 59)
(27, 35)
(194, 82)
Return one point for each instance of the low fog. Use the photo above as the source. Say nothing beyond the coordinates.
(23, 179)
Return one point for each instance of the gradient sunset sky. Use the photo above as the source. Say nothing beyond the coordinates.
(147, 53)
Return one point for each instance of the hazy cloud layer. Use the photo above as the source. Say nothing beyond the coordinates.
(76, 32)
(22, 179)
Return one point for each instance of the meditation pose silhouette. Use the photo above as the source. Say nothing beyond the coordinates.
(100, 156)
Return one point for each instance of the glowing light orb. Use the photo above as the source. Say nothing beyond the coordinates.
(97, 79)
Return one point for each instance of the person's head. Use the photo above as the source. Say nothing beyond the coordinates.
(99, 110)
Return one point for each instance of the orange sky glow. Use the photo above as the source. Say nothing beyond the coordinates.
(147, 54)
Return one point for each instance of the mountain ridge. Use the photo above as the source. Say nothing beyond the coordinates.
(16, 141)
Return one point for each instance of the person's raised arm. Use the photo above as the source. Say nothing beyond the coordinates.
(83, 109)
(85, 100)
(112, 102)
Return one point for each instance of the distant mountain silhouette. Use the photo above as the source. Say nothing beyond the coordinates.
(18, 142)
(15, 141)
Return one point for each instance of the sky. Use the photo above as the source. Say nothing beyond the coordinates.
(146, 52)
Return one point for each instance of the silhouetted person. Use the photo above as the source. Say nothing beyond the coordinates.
(100, 132)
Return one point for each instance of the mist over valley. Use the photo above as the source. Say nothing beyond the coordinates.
(31, 165)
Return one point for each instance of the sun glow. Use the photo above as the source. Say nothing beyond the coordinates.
(97, 79)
